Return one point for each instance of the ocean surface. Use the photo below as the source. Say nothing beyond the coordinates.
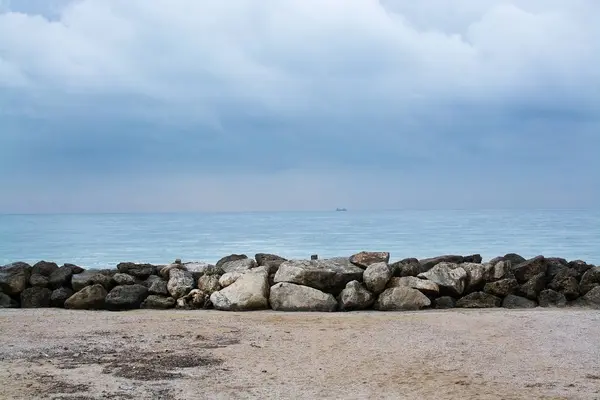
(103, 240)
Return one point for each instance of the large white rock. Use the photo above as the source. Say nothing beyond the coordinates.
(448, 276)
(291, 297)
(249, 292)
(355, 297)
(328, 275)
(422, 285)
(376, 276)
(401, 298)
(180, 283)
(229, 278)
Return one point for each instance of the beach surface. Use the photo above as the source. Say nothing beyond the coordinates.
(453, 354)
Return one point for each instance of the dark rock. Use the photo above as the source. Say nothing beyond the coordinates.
(7, 302)
(38, 280)
(428, 263)
(514, 259)
(61, 277)
(158, 302)
(376, 277)
(406, 267)
(44, 268)
(566, 283)
(532, 288)
(479, 300)
(451, 278)
(512, 301)
(59, 296)
(496, 260)
(14, 278)
(475, 259)
(555, 265)
(271, 261)
(551, 298)
(401, 298)
(425, 286)
(366, 258)
(232, 257)
(291, 297)
(75, 268)
(91, 277)
(530, 268)
(475, 276)
(592, 298)
(501, 288)
(589, 280)
(126, 297)
(501, 270)
(355, 297)
(580, 266)
(196, 299)
(156, 286)
(142, 271)
(88, 298)
(35, 297)
(123, 279)
(444, 302)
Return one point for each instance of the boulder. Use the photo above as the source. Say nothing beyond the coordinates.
(59, 296)
(229, 278)
(565, 282)
(14, 278)
(196, 299)
(126, 297)
(180, 283)
(376, 276)
(165, 271)
(475, 276)
(580, 266)
(367, 258)
(35, 297)
(74, 268)
(592, 298)
(7, 302)
(240, 265)
(554, 266)
(444, 302)
(44, 268)
(209, 284)
(502, 270)
(401, 298)
(355, 297)
(406, 267)
(512, 301)
(91, 277)
(38, 280)
(88, 298)
(428, 263)
(514, 259)
(60, 277)
(199, 269)
(141, 271)
(286, 296)
(589, 280)
(232, 257)
(158, 302)
(479, 300)
(501, 288)
(551, 298)
(532, 288)
(426, 287)
(473, 258)
(328, 275)
(249, 292)
(121, 279)
(530, 268)
(449, 277)
(271, 261)
(156, 286)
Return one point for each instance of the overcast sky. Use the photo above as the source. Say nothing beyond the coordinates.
(180, 105)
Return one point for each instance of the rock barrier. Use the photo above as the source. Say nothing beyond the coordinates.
(366, 280)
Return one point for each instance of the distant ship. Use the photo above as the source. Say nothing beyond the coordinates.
(341, 209)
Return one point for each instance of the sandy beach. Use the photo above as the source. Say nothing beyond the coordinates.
(455, 354)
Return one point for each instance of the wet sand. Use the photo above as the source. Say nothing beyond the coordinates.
(149, 354)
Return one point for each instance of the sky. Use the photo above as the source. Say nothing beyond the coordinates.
(244, 105)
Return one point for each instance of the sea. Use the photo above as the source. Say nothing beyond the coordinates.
(104, 240)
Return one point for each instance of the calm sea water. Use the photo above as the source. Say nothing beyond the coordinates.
(103, 240)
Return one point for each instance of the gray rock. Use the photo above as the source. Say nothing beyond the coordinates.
(501, 288)
(475, 276)
(426, 287)
(165, 271)
(241, 265)
(180, 283)
(199, 269)
(59, 296)
(249, 292)
(502, 270)
(565, 282)
(74, 268)
(88, 298)
(355, 297)
(7, 302)
(157, 286)
(126, 297)
(589, 280)
(449, 277)
(209, 284)
(44, 268)
(401, 298)
(367, 258)
(232, 257)
(406, 267)
(14, 278)
(91, 277)
(479, 300)
(444, 302)
(158, 302)
(141, 271)
(35, 297)
(530, 268)
(38, 280)
(121, 279)
(592, 298)
(328, 275)
(551, 298)
(428, 263)
(271, 261)
(580, 266)
(229, 278)
(514, 259)
(532, 288)
(512, 301)
(291, 297)
(376, 276)
(196, 299)
(60, 277)
(555, 266)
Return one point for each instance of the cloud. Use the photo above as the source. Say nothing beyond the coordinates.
(389, 91)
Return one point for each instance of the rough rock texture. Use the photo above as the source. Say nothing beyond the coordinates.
(238, 265)
(59, 296)
(44, 268)
(401, 298)
(512, 301)
(158, 302)
(249, 292)
(532, 288)
(14, 278)
(209, 284)
(423, 285)
(501, 288)
(35, 297)
(551, 298)
(530, 268)
(38, 280)
(355, 297)
(514, 259)
(271, 261)
(91, 277)
(565, 282)
(165, 271)
(502, 270)
(592, 298)
(555, 266)
(444, 302)
(291, 297)
(141, 271)
(90, 297)
(479, 300)
(180, 283)
(475, 276)
(121, 279)
(580, 266)
(199, 269)
(449, 277)
(428, 263)
(127, 297)
(366, 258)
(229, 278)
(74, 268)
(196, 299)
(329, 275)
(473, 258)
(61, 277)
(589, 280)
(7, 302)
(156, 286)
(406, 267)
(232, 257)
(376, 277)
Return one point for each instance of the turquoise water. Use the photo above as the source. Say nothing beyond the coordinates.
(103, 240)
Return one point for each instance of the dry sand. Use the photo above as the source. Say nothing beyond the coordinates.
(454, 354)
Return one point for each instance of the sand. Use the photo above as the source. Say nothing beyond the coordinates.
(454, 354)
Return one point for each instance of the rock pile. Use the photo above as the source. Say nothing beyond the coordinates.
(366, 280)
